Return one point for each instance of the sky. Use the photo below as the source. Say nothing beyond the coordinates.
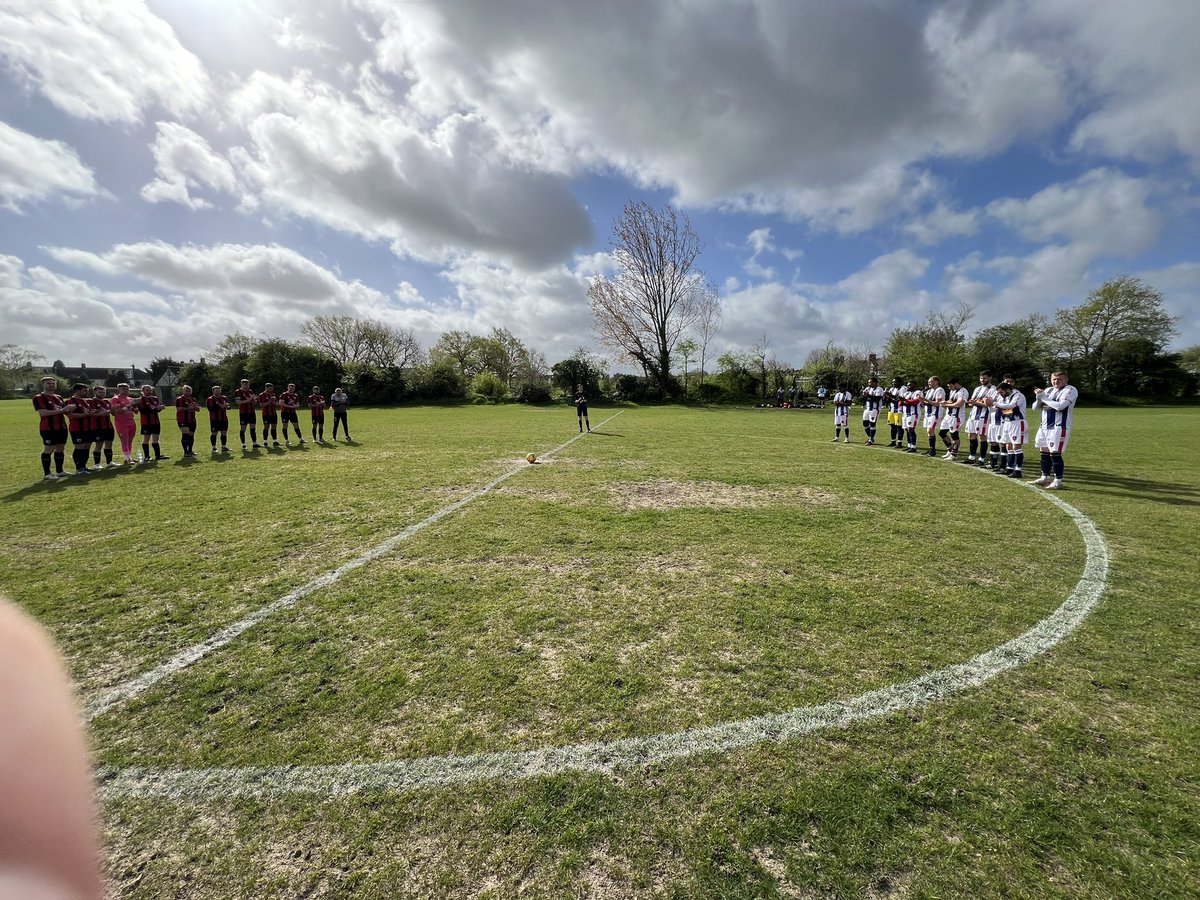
(173, 171)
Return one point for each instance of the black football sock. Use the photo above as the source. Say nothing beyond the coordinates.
(59, 458)
(45, 463)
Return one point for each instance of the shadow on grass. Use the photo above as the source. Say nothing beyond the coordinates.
(1167, 492)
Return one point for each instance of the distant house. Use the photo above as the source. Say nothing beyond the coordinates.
(92, 375)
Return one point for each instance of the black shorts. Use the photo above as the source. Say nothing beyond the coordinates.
(318, 417)
(190, 426)
(156, 428)
(222, 425)
(105, 435)
(81, 437)
(289, 415)
(54, 437)
(250, 419)
(269, 419)
(581, 409)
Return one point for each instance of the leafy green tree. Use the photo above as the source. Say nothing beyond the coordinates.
(161, 365)
(201, 376)
(935, 346)
(1020, 349)
(579, 368)
(1135, 367)
(735, 375)
(687, 350)
(280, 362)
(229, 358)
(486, 387)
(460, 348)
(439, 379)
(1125, 308)
(376, 384)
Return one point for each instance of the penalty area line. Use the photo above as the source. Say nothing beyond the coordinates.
(126, 691)
(609, 757)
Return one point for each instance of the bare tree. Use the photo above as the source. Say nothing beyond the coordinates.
(368, 341)
(642, 311)
(386, 345)
(708, 321)
(338, 337)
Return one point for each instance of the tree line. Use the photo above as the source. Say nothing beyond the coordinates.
(657, 311)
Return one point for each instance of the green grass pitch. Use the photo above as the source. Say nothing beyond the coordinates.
(678, 569)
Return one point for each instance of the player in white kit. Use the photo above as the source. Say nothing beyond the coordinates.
(1057, 404)
(872, 400)
(977, 412)
(894, 416)
(841, 413)
(910, 402)
(935, 396)
(1011, 426)
(953, 411)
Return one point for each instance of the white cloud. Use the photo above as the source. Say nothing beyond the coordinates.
(1137, 63)
(942, 222)
(32, 169)
(183, 162)
(747, 103)
(318, 154)
(1180, 285)
(860, 310)
(107, 61)
(199, 294)
(1105, 209)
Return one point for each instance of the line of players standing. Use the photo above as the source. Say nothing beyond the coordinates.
(994, 416)
(90, 421)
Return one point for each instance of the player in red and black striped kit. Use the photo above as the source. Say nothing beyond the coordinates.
(148, 407)
(316, 405)
(270, 417)
(103, 432)
(289, 402)
(185, 417)
(80, 426)
(246, 399)
(218, 418)
(52, 428)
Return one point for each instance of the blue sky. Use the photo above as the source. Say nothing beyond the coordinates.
(175, 170)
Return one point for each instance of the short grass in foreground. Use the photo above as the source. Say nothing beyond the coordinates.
(679, 568)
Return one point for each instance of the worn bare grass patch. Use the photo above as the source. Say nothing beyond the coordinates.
(668, 494)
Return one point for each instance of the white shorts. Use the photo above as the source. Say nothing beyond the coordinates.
(1013, 432)
(910, 421)
(840, 418)
(1052, 440)
(951, 421)
(976, 425)
(870, 416)
(931, 422)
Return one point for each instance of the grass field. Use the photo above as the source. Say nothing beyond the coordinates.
(678, 570)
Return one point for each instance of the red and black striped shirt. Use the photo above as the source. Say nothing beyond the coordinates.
(218, 409)
(245, 400)
(185, 410)
(57, 422)
(148, 408)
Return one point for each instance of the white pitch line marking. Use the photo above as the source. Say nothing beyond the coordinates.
(400, 775)
(126, 691)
